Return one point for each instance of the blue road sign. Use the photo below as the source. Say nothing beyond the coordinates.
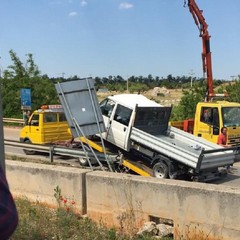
(26, 102)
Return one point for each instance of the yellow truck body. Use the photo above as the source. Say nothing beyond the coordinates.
(46, 126)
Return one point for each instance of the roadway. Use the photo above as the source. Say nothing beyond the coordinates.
(12, 133)
(232, 179)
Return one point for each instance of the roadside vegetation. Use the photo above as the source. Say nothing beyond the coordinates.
(39, 222)
(27, 75)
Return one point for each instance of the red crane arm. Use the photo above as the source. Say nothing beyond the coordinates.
(206, 54)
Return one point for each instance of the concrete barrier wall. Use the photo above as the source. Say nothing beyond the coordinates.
(197, 210)
(38, 181)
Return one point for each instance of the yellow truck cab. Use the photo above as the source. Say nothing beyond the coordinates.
(210, 117)
(46, 126)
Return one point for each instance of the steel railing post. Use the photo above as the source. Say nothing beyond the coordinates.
(51, 151)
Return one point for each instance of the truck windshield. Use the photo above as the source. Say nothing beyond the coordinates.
(231, 116)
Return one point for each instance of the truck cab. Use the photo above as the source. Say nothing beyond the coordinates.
(210, 117)
(123, 111)
(46, 126)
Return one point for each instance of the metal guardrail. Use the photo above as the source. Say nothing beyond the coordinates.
(56, 150)
(13, 120)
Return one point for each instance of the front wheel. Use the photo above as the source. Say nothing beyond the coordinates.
(26, 151)
(160, 170)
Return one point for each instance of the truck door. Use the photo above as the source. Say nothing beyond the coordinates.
(107, 107)
(34, 129)
(118, 129)
(117, 125)
(207, 124)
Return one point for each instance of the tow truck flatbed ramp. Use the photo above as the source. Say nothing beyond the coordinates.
(138, 167)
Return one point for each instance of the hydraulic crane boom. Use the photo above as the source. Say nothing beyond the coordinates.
(206, 54)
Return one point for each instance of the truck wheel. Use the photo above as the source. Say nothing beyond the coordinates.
(160, 170)
(83, 161)
(26, 151)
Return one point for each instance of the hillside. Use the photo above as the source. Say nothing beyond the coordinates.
(161, 95)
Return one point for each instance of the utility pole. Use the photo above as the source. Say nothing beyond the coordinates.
(191, 76)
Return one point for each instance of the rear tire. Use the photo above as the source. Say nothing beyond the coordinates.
(26, 151)
(160, 170)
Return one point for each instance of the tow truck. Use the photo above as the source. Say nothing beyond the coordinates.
(211, 114)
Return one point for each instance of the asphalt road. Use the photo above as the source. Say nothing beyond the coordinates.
(12, 133)
(232, 179)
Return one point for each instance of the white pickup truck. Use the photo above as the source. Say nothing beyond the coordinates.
(140, 128)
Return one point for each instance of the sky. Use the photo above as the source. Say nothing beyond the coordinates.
(91, 38)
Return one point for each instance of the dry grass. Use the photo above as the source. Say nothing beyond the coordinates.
(163, 96)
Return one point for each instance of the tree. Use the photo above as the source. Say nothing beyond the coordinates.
(187, 106)
(19, 75)
(233, 90)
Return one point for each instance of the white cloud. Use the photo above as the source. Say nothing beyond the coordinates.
(125, 5)
(72, 14)
(83, 3)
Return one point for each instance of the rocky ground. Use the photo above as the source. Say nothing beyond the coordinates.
(161, 95)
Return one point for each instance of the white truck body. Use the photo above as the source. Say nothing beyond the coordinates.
(135, 123)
